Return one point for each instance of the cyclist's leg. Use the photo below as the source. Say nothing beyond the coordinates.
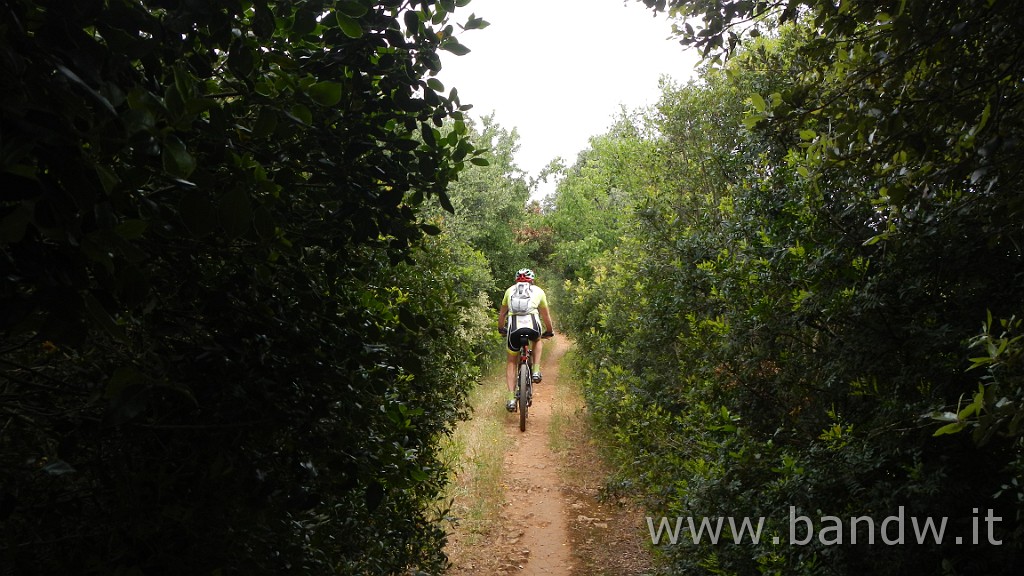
(511, 364)
(510, 371)
(538, 349)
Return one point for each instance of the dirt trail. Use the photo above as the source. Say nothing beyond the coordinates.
(556, 518)
(534, 495)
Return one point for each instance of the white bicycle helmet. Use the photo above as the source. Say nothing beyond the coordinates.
(524, 275)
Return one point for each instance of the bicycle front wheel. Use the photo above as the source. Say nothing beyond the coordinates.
(525, 383)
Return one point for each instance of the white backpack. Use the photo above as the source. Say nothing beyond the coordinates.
(519, 299)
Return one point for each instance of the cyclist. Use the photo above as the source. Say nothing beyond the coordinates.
(524, 310)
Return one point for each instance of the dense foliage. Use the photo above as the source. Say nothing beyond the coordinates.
(488, 207)
(249, 252)
(227, 342)
(824, 238)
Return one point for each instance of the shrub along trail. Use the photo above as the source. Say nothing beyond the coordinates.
(555, 516)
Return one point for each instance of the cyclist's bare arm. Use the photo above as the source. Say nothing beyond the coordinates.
(545, 316)
(502, 316)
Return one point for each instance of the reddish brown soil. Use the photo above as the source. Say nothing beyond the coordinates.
(555, 520)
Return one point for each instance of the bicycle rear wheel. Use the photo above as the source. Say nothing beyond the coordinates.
(525, 383)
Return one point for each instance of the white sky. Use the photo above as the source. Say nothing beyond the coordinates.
(558, 70)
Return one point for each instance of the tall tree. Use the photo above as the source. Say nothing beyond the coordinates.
(489, 200)
(592, 202)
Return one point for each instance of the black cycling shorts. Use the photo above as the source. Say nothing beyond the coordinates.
(520, 326)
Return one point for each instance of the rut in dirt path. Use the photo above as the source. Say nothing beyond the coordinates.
(536, 510)
(543, 496)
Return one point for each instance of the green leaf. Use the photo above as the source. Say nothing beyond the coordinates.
(242, 59)
(353, 8)
(417, 474)
(445, 202)
(479, 161)
(326, 93)
(876, 239)
(98, 97)
(969, 410)
(263, 23)
(196, 106)
(302, 114)
(452, 45)
(412, 21)
(305, 22)
(475, 23)
(429, 136)
(131, 229)
(758, 102)
(176, 159)
(950, 428)
(183, 82)
(14, 224)
(406, 144)
(349, 25)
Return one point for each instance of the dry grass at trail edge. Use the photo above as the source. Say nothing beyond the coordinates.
(476, 452)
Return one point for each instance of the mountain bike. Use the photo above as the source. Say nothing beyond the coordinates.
(524, 379)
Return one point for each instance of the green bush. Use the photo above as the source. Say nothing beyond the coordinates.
(225, 349)
(789, 318)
